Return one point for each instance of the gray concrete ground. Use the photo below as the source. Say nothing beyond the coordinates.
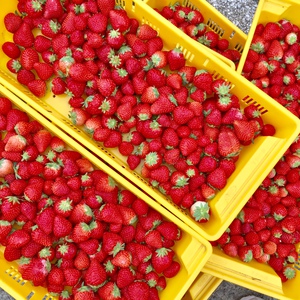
(240, 12)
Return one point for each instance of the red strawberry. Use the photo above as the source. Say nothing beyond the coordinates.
(217, 178)
(271, 31)
(18, 238)
(11, 50)
(119, 19)
(228, 144)
(275, 50)
(145, 32)
(249, 215)
(138, 290)
(42, 140)
(25, 76)
(203, 80)
(83, 293)
(122, 259)
(176, 59)
(23, 36)
(44, 70)
(245, 253)
(106, 6)
(109, 290)
(243, 130)
(37, 270)
(260, 69)
(37, 87)
(162, 259)
(95, 274)
(81, 232)
(61, 226)
(5, 228)
(12, 22)
(53, 9)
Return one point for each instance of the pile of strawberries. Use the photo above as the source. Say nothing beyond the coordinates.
(192, 22)
(72, 229)
(273, 62)
(268, 227)
(181, 124)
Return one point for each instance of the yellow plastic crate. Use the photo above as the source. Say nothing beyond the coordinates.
(254, 163)
(253, 275)
(203, 287)
(213, 19)
(270, 11)
(192, 251)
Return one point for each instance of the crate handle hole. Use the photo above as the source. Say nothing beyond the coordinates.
(29, 296)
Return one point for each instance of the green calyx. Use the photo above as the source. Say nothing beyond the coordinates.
(289, 272)
(162, 252)
(182, 181)
(201, 210)
(151, 158)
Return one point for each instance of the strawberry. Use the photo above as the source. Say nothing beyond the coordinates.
(12, 22)
(11, 50)
(153, 239)
(203, 80)
(44, 70)
(228, 144)
(230, 249)
(110, 290)
(176, 59)
(53, 9)
(243, 130)
(23, 36)
(95, 274)
(162, 259)
(245, 253)
(217, 178)
(271, 31)
(37, 87)
(119, 19)
(275, 50)
(18, 238)
(145, 32)
(249, 215)
(169, 230)
(84, 292)
(138, 289)
(15, 143)
(6, 167)
(5, 229)
(200, 211)
(276, 262)
(112, 242)
(209, 39)
(61, 226)
(122, 259)
(45, 220)
(81, 232)
(106, 6)
(260, 69)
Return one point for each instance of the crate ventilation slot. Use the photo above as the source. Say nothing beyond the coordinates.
(188, 55)
(249, 101)
(187, 3)
(15, 275)
(215, 27)
(239, 47)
